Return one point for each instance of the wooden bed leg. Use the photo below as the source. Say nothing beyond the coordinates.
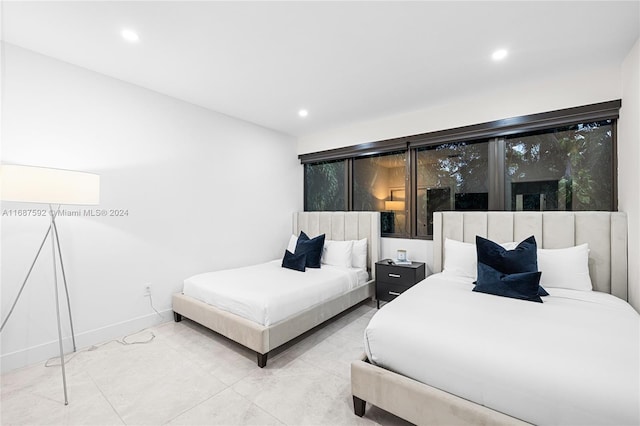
(358, 406)
(262, 359)
(177, 317)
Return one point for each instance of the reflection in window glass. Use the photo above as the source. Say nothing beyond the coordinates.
(379, 185)
(567, 168)
(450, 177)
(325, 186)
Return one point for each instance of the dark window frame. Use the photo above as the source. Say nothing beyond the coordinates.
(403, 233)
(490, 169)
(493, 132)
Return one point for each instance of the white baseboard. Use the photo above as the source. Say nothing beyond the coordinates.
(44, 351)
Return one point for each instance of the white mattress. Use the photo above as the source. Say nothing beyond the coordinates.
(572, 360)
(268, 293)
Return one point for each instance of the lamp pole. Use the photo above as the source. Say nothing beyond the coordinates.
(55, 285)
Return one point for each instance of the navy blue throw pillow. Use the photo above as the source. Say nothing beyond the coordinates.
(542, 291)
(524, 258)
(293, 261)
(523, 285)
(312, 248)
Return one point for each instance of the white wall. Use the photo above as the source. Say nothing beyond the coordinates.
(203, 192)
(527, 97)
(629, 165)
(419, 250)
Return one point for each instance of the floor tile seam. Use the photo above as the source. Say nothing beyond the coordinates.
(280, 375)
(162, 344)
(193, 360)
(197, 404)
(54, 400)
(344, 336)
(345, 328)
(333, 373)
(347, 379)
(221, 349)
(80, 370)
(258, 407)
(294, 424)
(348, 345)
(230, 385)
(343, 339)
(320, 368)
(325, 339)
(105, 397)
(301, 357)
(343, 342)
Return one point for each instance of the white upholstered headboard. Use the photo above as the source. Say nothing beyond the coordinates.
(605, 232)
(343, 226)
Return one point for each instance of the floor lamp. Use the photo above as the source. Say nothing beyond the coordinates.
(53, 187)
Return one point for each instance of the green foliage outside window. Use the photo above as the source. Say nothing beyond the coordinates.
(577, 157)
(325, 186)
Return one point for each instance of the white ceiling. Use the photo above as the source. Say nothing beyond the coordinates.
(343, 61)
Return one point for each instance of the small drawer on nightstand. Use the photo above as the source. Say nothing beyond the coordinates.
(396, 275)
(387, 292)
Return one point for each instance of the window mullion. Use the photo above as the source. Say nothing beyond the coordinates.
(499, 176)
(408, 200)
(496, 174)
(349, 181)
(413, 193)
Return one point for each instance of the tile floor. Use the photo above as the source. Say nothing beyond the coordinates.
(188, 375)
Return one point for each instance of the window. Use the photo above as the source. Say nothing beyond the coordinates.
(379, 185)
(567, 168)
(560, 160)
(324, 186)
(451, 176)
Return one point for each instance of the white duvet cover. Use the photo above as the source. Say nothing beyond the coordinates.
(572, 360)
(268, 293)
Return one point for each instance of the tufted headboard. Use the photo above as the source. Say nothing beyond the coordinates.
(605, 232)
(343, 226)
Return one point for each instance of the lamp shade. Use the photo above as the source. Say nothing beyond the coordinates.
(48, 186)
(394, 205)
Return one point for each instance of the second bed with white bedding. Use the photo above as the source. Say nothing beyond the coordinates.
(573, 359)
(267, 293)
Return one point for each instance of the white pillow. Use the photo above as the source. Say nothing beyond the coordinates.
(565, 268)
(293, 241)
(337, 253)
(460, 259)
(359, 254)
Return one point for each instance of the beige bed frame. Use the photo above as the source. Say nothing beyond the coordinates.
(262, 339)
(606, 234)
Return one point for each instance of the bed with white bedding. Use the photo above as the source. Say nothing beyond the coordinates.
(264, 306)
(443, 354)
(553, 363)
(268, 293)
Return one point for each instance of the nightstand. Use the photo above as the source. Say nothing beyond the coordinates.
(392, 280)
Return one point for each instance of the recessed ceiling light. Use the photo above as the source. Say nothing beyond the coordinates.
(499, 54)
(303, 113)
(130, 35)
